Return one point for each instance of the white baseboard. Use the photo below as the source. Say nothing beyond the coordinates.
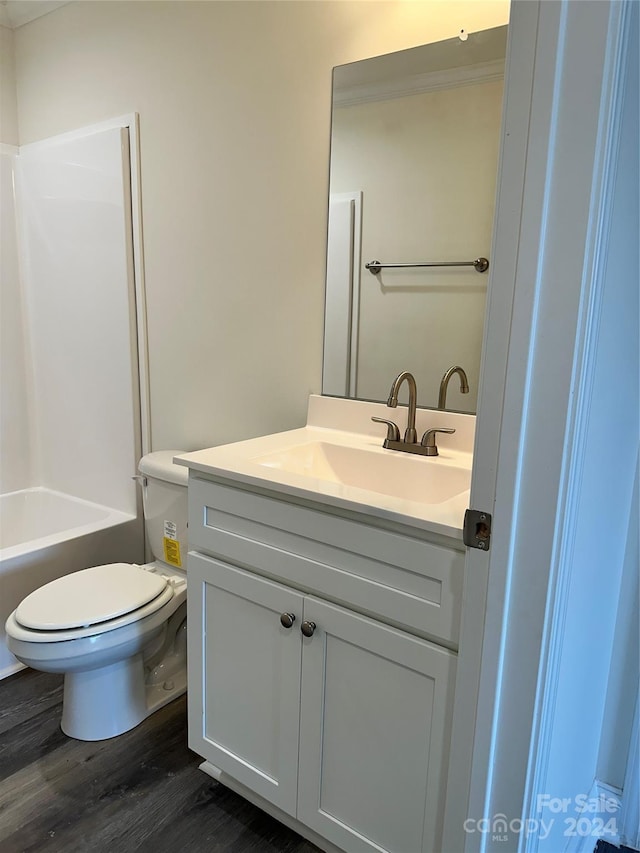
(585, 837)
(630, 810)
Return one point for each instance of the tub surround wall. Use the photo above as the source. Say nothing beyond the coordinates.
(69, 409)
(75, 218)
(8, 101)
(16, 446)
(15, 468)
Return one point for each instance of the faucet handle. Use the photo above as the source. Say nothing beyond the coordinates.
(429, 439)
(393, 433)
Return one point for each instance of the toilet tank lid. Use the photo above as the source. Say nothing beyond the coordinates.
(161, 466)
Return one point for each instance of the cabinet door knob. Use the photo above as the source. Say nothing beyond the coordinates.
(287, 619)
(308, 628)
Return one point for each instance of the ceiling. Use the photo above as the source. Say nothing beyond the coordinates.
(15, 13)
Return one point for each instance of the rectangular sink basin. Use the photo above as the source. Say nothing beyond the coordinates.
(387, 472)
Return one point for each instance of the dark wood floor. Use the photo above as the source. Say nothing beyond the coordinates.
(605, 847)
(141, 791)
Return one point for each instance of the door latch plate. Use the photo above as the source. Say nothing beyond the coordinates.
(476, 532)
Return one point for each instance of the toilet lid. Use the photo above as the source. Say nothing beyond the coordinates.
(89, 597)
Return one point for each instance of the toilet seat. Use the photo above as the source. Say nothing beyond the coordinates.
(89, 597)
(107, 597)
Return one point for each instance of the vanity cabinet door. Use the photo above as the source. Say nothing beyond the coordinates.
(374, 733)
(244, 677)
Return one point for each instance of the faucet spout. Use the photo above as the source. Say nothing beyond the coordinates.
(410, 435)
(444, 384)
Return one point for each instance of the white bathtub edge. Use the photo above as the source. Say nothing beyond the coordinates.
(12, 669)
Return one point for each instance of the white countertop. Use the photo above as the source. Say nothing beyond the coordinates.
(238, 463)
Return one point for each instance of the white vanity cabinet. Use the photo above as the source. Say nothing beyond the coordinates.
(345, 731)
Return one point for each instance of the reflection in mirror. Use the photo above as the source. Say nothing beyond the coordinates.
(414, 154)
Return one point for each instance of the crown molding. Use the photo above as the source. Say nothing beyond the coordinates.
(416, 84)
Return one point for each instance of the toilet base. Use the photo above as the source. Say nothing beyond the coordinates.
(159, 695)
(106, 702)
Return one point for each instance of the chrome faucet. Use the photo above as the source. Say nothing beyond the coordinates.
(410, 434)
(427, 447)
(444, 384)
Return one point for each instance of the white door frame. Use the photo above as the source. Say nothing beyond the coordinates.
(562, 78)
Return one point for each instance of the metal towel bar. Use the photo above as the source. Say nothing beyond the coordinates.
(480, 265)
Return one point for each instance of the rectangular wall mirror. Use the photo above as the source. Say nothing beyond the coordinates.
(414, 154)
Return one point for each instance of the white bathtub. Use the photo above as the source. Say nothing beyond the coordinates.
(46, 534)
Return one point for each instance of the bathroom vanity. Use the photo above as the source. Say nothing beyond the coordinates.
(324, 621)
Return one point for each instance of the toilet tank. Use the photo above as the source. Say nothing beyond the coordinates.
(164, 497)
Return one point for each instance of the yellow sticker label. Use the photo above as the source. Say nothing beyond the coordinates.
(172, 552)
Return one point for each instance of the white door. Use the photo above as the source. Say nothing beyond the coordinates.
(374, 733)
(562, 81)
(246, 720)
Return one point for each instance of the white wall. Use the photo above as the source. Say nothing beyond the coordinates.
(234, 103)
(426, 165)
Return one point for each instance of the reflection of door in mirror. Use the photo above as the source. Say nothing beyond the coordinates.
(414, 153)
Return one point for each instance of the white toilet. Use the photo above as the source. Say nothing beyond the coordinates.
(118, 631)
